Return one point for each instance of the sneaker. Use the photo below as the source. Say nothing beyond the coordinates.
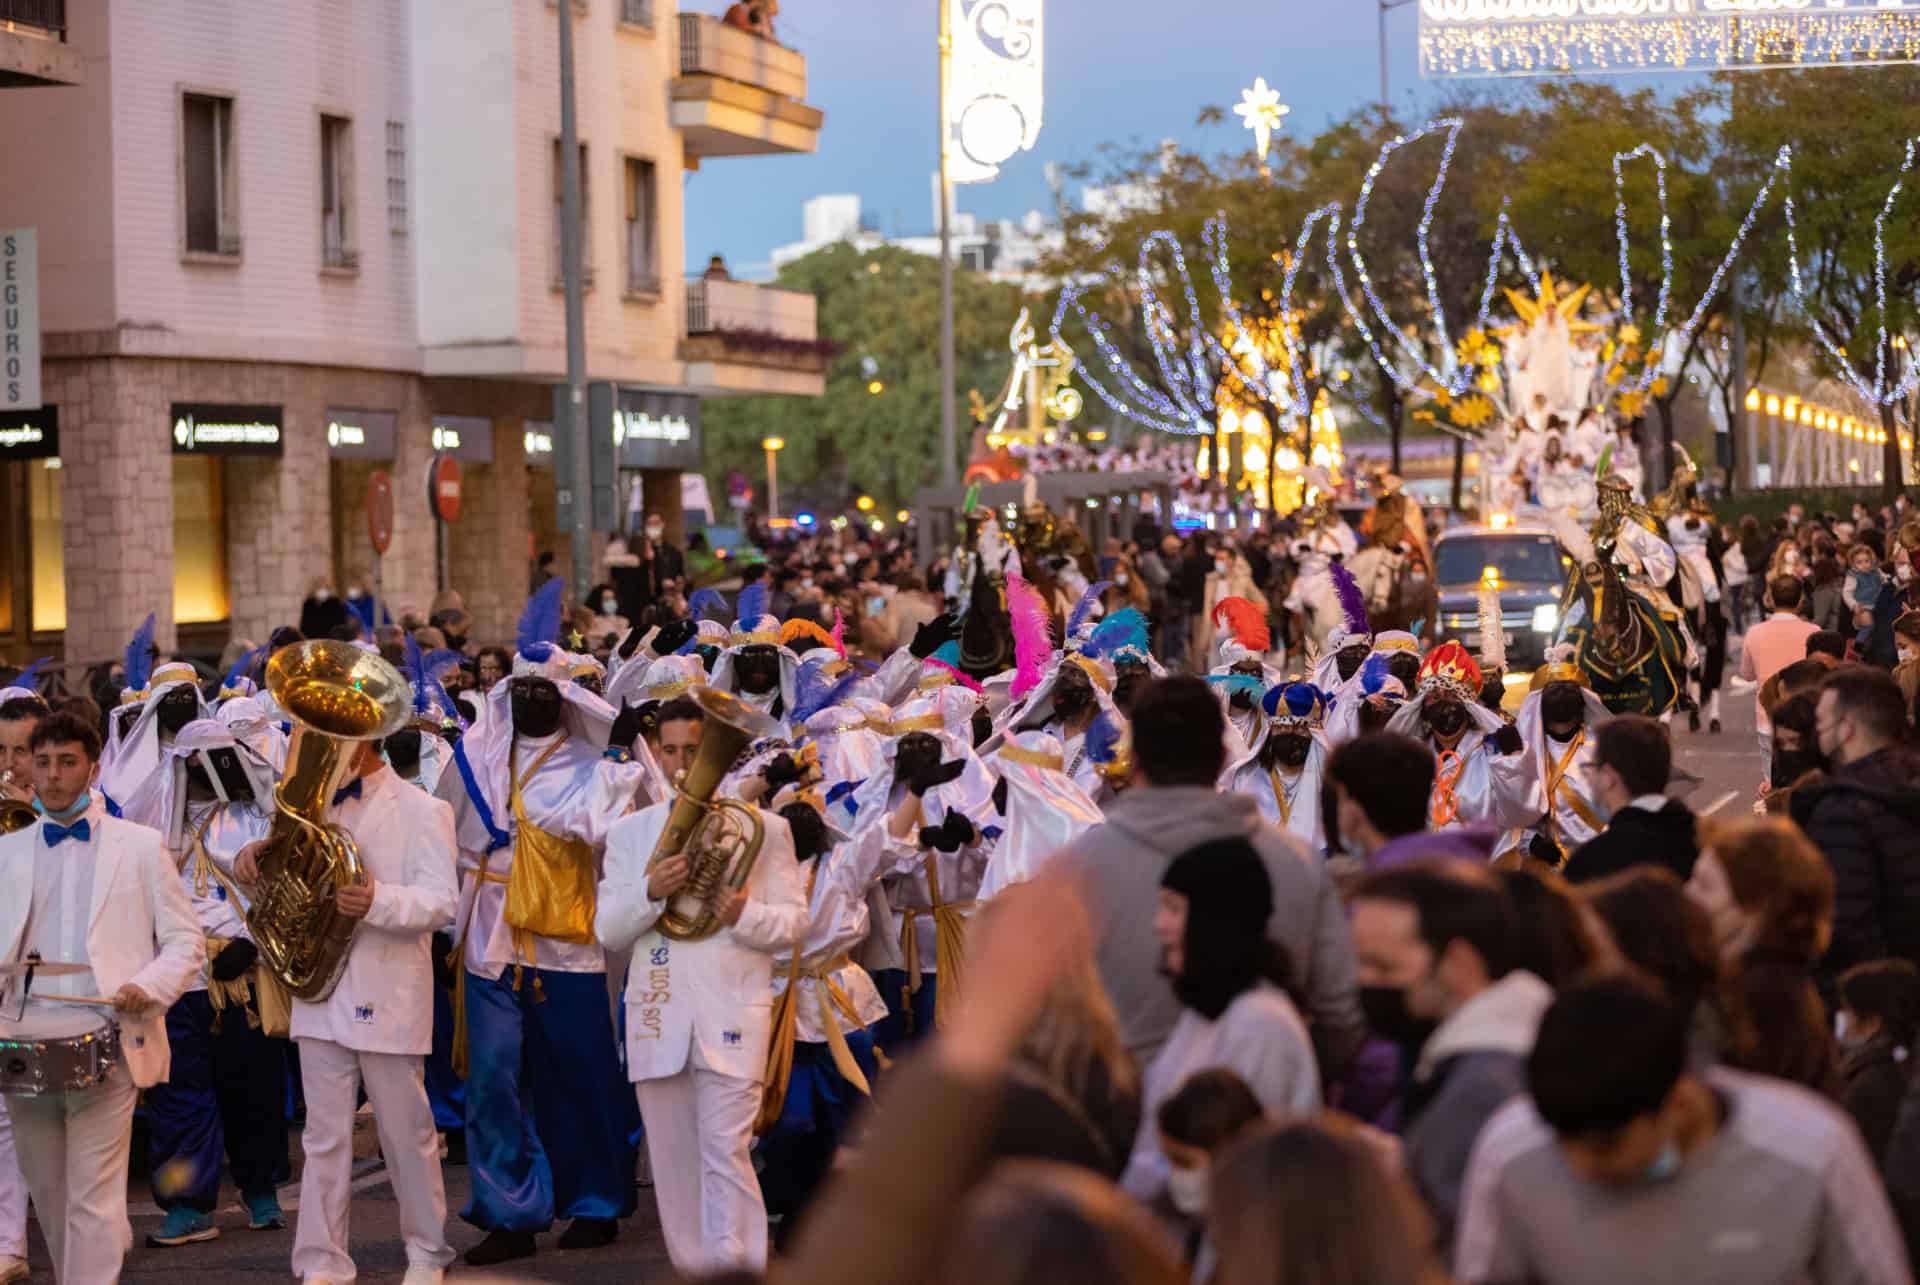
(500, 1247)
(264, 1212)
(182, 1226)
(12, 1269)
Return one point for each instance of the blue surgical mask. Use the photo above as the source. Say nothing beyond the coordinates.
(66, 814)
(1602, 811)
(1665, 1166)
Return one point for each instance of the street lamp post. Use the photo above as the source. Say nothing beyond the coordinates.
(773, 447)
(1386, 7)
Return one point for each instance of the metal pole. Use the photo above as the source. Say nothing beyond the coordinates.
(947, 408)
(773, 485)
(581, 481)
(1386, 101)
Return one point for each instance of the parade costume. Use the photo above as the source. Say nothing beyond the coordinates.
(1627, 634)
(157, 703)
(375, 1029)
(1368, 703)
(1350, 642)
(1698, 547)
(1283, 769)
(1325, 537)
(820, 1062)
(1482, 773)
(1393, 570)
(1042, 809)
(226, 1096)
(756, 667)
(92, 889)
(1241, 641)
(548, 1121)
(1073, 700)
(1557, 721)
(699, 1015)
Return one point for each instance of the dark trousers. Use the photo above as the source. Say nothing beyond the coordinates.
(226, 1094)
(909, 1015)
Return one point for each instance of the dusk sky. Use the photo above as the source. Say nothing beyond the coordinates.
(1120, 71)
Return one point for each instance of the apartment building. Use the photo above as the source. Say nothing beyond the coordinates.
(284, 246)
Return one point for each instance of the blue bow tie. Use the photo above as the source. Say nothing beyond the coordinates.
(59, 834)
(351, 790)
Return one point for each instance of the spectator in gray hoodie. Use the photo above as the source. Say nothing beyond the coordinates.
(1435, 944)
(1172, 807)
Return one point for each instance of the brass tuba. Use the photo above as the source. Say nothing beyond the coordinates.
(336, 695)
(15, 815)
(719, 837)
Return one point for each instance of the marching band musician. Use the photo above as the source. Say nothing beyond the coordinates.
(699, 1015)
(81, 887)
(548, 1121)
(227, 1091)
(376, 1027)
(21, 710)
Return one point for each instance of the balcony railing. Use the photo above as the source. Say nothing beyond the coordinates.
(741, 323)
(708, 47)
(49, 16)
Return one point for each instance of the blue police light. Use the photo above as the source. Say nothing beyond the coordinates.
(803, 519)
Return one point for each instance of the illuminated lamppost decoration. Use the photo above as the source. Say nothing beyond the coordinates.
(1261, 111)
(994, 95)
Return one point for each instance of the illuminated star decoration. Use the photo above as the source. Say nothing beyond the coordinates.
(1551, 300)
(1262, 111)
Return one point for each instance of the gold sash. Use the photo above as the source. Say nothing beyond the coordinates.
(271, 997)
(1556, 777)
(949, 943)
(552, 889)
(834, 1004)
(1280, 797)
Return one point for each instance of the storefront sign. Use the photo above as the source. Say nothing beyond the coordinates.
(361, 434)
(657, 430)
(443, 488)
(465, 437)
(539, 443)
(19, 318)
(206, 428)
(380, 511)
(30, 434)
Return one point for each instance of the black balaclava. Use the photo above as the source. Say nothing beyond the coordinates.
(756, 668)
(178, 707)
(403, 751)
(1349, 659)
(1129, 677)
(1072, 690)
(1288, 747)
(916, 753)
(982, 727)
(591, 682)
(809, 831)
(1375, 718)
(1563, 709)
(536, 705)
(227, 767)
(1405, 666)
(1445, 715)
(1225, 947)
(1241, 698)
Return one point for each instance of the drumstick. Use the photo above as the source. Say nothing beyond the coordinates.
(73, 999)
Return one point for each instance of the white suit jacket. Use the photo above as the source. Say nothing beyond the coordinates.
(384, 1002)
(717, 994)
(140, 927)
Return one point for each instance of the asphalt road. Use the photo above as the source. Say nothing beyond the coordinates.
(1726, 767)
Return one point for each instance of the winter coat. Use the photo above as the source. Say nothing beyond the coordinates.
(1876, 1076)
(1637, 837)
(1865, 819)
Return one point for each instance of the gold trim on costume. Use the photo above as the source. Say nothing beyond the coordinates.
(770, 637)
(1397, 644)
(918, 723)
(1033, 758)
(1093, 671)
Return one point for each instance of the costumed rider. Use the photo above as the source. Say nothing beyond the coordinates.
(1041, 809)
(755, 666)
(1324, 537)
(930, 805)
(158, 702)
(698, 1014)
(1369, 703)
(1696, 541)
(1557, 721)
(1482, 775)
(1283, 769)
(1069, 694)
(1628, 534)
(226, 1094)
(1241, 675)
(548, 1120)
(821, 1062)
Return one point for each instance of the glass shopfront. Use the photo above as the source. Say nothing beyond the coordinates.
(33, 597)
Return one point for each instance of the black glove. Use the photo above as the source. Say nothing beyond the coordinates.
(928, 637)
(937, 774)
(631, 643)
(781, 771)
(951, 835)
(1000, 797)
(673, 636)
(1507, 740)
(235, 960)
(444, 964)
(1543, 849)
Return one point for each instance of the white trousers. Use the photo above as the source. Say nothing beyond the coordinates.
(397, 1090)
(13, 1194)
(73, 1155)
(699, 1139)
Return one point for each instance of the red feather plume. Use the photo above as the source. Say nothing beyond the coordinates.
(1246, 622)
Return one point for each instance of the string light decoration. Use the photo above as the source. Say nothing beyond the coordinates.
(1482, 38)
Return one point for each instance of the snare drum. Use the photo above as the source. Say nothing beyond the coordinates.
(56, 1048)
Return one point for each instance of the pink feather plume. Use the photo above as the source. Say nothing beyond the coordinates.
(1032, 635)
(839, 634)
(955, 674)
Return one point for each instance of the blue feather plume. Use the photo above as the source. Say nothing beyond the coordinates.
(243, 667)
(139, 662)
(1232, 683)
(1103, 737)
(752, 603)
(416, 669)
(1374, 674)
(705, 600)
(816, 693)
(540, 622)
(686, 648)
(1083, 608)
(1124, 628)
(24, 680)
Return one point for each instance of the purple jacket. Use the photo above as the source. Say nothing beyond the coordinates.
(1449, 845)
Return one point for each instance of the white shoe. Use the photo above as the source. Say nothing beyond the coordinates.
(417, 1275)
(12, 1269)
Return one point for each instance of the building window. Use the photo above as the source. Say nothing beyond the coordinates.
(207, 175)
(44, 535)
(586, 219)
(199, 540)
(643, 228)
(397, 177)
(637, 12)
(336, 193)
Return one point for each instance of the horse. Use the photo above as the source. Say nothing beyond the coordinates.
(1634, 658)
(1398, 588)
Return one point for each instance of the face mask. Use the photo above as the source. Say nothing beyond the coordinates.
(1374, 717)
(1908, 655)
(1445, 719)
(806, 584)
(1120, 579)
(1290, 750)
(1220, 566)
(535, 705)
(655, 532)
(917, 752)
(1405, 666)
(1187, 1189)
(809, 831)
(1903, 572)
(1348, 661)
(457, 642)
(1562, 705)
(1385, 1008)
(1789, 766)
(1071, 697)
(177, 708)
(66, 814)
(1665, 1166)
(876, 606)
(758, 669)
(608, 606)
